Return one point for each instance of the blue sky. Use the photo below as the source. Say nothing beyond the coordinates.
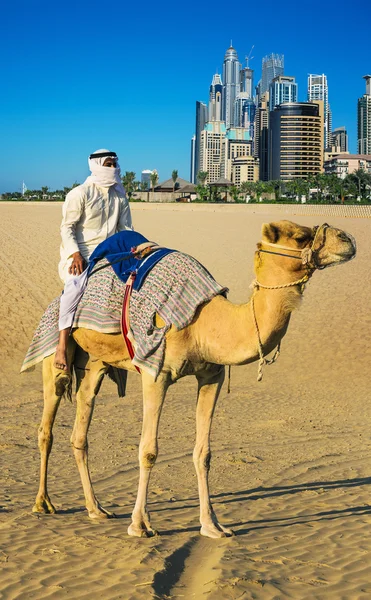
(78, 76)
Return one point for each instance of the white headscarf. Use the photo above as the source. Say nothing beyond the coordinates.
(104, 176)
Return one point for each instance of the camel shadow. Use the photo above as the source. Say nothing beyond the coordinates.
(261, 492)
(328, 515)
(271, 492)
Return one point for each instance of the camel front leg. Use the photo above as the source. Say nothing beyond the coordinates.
(153, 397)
(55, 385)
(208, 392)
(89, 376)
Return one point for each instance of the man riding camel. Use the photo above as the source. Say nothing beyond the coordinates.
(92, 212)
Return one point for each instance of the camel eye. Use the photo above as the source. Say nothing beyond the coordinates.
(301, 238)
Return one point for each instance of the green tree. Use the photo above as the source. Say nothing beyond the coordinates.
(362, 180)
(174, 177)
(128, 181)
(248, 188)
(202, 192)
(44, 192)
(201, 177)
(235, 193)
(154, 179)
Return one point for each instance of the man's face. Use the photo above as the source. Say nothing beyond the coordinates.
(110, 161)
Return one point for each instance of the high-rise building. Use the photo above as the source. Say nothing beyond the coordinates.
(231, 85)
(211, 150)
(201, 120)
(318, 90)
(247, 81)
(364, 119)
(296, 140)
(244, 168)
(192, 175)
(272, 66)
(282, 89)
(261, 135)
(146, 178)
(244, 113)
(237, 144)
(215, 99)
(340, 140)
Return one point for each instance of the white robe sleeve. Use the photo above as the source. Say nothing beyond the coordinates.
(72, 210)
(124, 221)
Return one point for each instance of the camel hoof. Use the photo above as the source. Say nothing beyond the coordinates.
(101, 514)
(216, 532)
(136, 531)
(44, 506)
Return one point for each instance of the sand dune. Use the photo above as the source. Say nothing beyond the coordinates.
(291, 455)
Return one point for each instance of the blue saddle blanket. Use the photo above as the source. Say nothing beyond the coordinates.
(117, 250)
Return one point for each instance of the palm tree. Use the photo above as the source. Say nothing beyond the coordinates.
(363, 181)
(234, 192)
(202, 176)
(174, 177)
(128, 181)
(44, 191)
(154, 179)
(202, 192)
(248, 188)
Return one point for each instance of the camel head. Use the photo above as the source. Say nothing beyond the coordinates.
(313, 248)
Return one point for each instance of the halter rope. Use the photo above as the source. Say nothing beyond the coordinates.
(306, 256)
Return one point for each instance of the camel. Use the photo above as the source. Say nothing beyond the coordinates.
(222, 333)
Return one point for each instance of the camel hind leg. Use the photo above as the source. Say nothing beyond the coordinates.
(89, 375)
(56, 384)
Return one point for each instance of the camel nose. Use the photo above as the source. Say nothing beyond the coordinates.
(346, 237)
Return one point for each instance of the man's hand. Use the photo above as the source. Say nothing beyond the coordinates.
(78, 264)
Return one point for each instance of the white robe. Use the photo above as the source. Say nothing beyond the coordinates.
(91, 214)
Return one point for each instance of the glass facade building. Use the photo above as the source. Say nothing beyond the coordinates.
(231, 85)
(364, 119)
(272, 66)
(282, 89)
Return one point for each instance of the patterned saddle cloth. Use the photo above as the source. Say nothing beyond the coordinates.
(174, 289)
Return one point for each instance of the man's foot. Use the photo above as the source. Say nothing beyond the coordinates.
(60, 359)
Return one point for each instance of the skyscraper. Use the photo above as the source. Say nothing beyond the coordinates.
(193, 174)
(231, 85)
(282, 89)
(215, 99)
(318, 90)
(201, 120)
(146, 178)
(364, 119)
(211, 149)
(340, 139)
(247, 81)
(261, 135)
(296, 140)
(272, 66)
(244, 113)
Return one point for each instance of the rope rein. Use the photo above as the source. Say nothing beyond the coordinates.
(306, 256)
(256, 285)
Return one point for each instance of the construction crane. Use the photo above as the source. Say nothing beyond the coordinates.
(249, 57)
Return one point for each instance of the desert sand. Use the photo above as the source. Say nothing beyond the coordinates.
(291, 463)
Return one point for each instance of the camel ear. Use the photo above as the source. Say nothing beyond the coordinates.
(271, 232)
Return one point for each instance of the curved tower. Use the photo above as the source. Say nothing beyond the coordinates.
(231, 85)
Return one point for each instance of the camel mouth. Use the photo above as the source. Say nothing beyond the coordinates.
(340, 249)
